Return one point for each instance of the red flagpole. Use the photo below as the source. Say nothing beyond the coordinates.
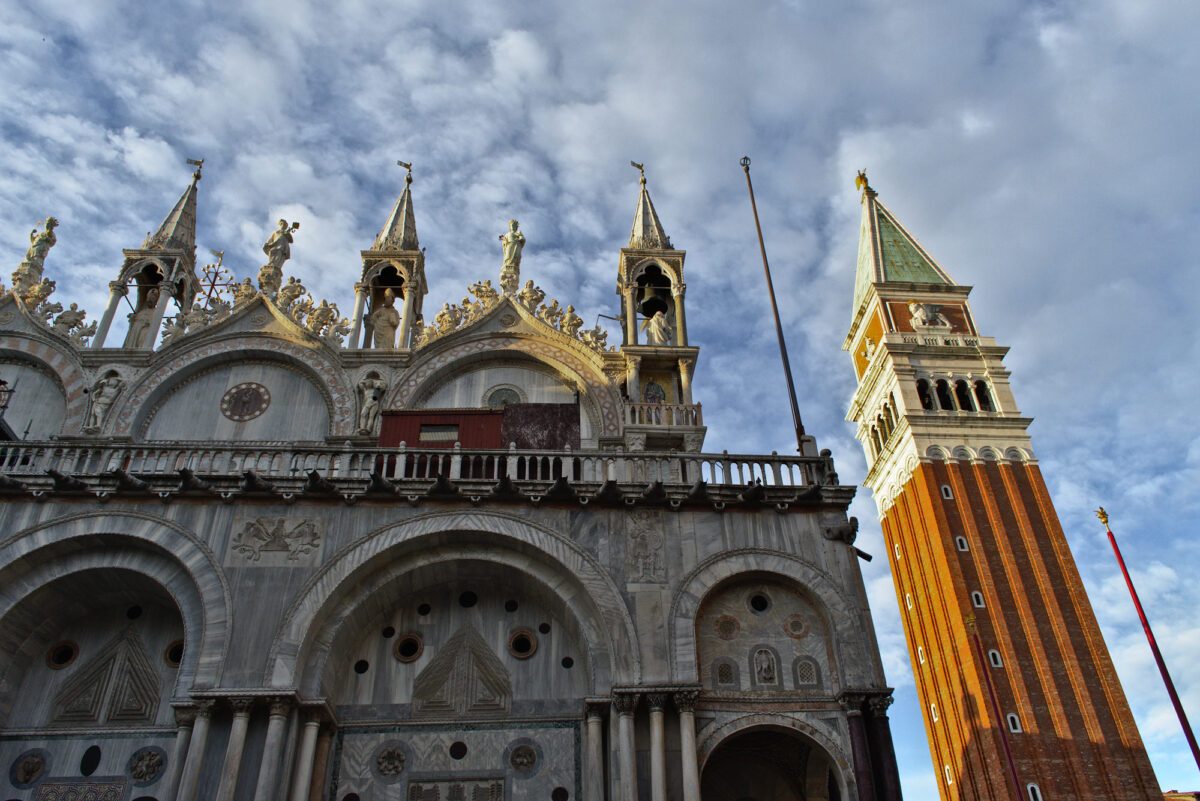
(1162, 666)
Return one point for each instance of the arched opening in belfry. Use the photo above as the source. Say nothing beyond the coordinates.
(944, 396)
(924, 395)
(962, 392)
(984, 397)
(770, 764)
(653, 296)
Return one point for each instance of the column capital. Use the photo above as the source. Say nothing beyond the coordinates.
(361, 287)
(879, 704)
(678, 290)
(852, 701)
(185, 715)
(685, 700)
(595, 709)
(119, 287)
(686, 362)
(279, 707)
(242, 706)
(657, 701)
(204, 707)
(625, 702)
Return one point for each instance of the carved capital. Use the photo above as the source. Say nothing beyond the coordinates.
(852, 701)
(118, 287)
(204, 707)
(879, 705)
(634, 362)
(685, 700)
(686, 365)
(279, 707)
(361, 288)
(184, 716)
(625, 703)
(657, 701)
(678, 290)
(242, 706)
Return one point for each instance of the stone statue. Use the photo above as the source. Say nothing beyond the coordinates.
(103, 394)
(571, 321)
(69, 320)
(869, 348)
(764, 666)
(384, 321)
(927, 315)
(29, 273)
(289, 292)
(549, 313)
(531, 296)
(658, 331)
(243, 293)
(485, 292)
(278, 249)
(595, 338)
(36, 295)
(141, 321)
(370, 399)
(510, 271)
(321, 317)
(447, 319)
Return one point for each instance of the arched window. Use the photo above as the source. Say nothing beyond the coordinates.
(947, 493)
(961, 542)
(1035, 792)
(933, 713)
(1014, 723)
(923, 394)
(945, 401)
(983, 397)
(875, 439)
(963, 393)
(920, 654)
(977, 599)
(806, 672)
(994, 658)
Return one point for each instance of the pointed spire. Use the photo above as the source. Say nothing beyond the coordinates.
(887, 251)
(178, 230)
(400, 230)
(648, 233)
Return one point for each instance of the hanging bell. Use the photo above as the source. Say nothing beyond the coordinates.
(654, 299)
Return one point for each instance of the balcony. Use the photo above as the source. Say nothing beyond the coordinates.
(228, 470)
(663, 414)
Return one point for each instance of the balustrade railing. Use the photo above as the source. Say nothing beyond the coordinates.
(271, 461)
(663, 414)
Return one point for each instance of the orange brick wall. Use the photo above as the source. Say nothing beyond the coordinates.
(1078, 740)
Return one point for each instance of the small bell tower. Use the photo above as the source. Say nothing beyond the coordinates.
(393, 270)
(163, 269)
(660, 413)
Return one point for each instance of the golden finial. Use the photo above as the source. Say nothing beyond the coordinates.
(860, 180)
(640, 168)
(198, 164)
(408, 166)
(1103, 515)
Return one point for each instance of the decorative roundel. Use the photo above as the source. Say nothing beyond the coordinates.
(245, 401)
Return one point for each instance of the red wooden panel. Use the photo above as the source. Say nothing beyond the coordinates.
(477, 428)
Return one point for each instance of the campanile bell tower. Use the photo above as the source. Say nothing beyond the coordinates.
(1019, 694)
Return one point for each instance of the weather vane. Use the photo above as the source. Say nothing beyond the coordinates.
(640, 168)
(408, 166)
(198, 164)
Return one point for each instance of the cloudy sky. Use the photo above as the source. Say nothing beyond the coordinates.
(1046, 153)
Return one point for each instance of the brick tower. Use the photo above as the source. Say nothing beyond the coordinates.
(1017, 686)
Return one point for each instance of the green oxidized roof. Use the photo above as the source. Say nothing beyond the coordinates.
(888, 252)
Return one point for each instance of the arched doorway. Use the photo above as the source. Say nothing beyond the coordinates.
(769, 763)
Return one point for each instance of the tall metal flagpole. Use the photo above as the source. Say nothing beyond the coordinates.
(1162, 666)
(787, 368)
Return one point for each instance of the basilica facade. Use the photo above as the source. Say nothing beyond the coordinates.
(254, 549)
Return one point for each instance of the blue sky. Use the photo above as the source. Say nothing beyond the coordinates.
(1044, 152)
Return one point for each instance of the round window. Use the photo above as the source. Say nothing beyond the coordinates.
(409, 647)
(522, 643)
(499, 398)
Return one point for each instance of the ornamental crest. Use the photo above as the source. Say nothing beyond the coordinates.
(275, 542)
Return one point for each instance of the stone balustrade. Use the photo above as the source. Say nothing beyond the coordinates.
(663, 414)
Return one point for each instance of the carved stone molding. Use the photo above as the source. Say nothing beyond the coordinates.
(685, 700)
(626, 702)
(185, 716)
(879, 704)
(242, 706)
(204, 707)
(657, 701)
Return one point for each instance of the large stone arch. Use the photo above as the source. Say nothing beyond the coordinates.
(829, 600)
(326, 374)
(59, 362)
(165, 553)
(712, 738)
(563, 358)
(297, 655)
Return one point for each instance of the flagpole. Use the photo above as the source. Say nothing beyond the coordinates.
(787, 368)
(1162, 666)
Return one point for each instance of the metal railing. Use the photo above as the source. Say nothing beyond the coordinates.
(289, 461)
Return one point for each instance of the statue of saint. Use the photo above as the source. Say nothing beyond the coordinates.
(571, 321)
(531, 296)
(278, 249)
(103, 394)
(370, 398)
(384, 321)
(141, 321)
(29, 273)
(510, 271)
(658, 332)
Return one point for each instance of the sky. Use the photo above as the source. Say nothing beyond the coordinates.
(1044, 152)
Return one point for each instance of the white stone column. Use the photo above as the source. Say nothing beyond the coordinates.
(633, 381)
(360, 304)
(593, 783)
(266, 789)
(658, 747)
(116, 291)
(685, 702)
(626, 705)
(191, 769)
(235, 747)
(685, 380)
(160, 311)
(407, 315)
(680, 320)
(319, 764)
(631, 337)
(302, 774)
(185, 718)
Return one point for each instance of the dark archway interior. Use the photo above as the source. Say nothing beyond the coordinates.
(769, 765)
(654, 291)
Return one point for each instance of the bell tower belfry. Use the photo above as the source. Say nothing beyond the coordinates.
(393, 270)
(1019, 694)
(660, 412)
(161, 270)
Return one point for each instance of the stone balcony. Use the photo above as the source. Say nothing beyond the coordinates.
(351, 474)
